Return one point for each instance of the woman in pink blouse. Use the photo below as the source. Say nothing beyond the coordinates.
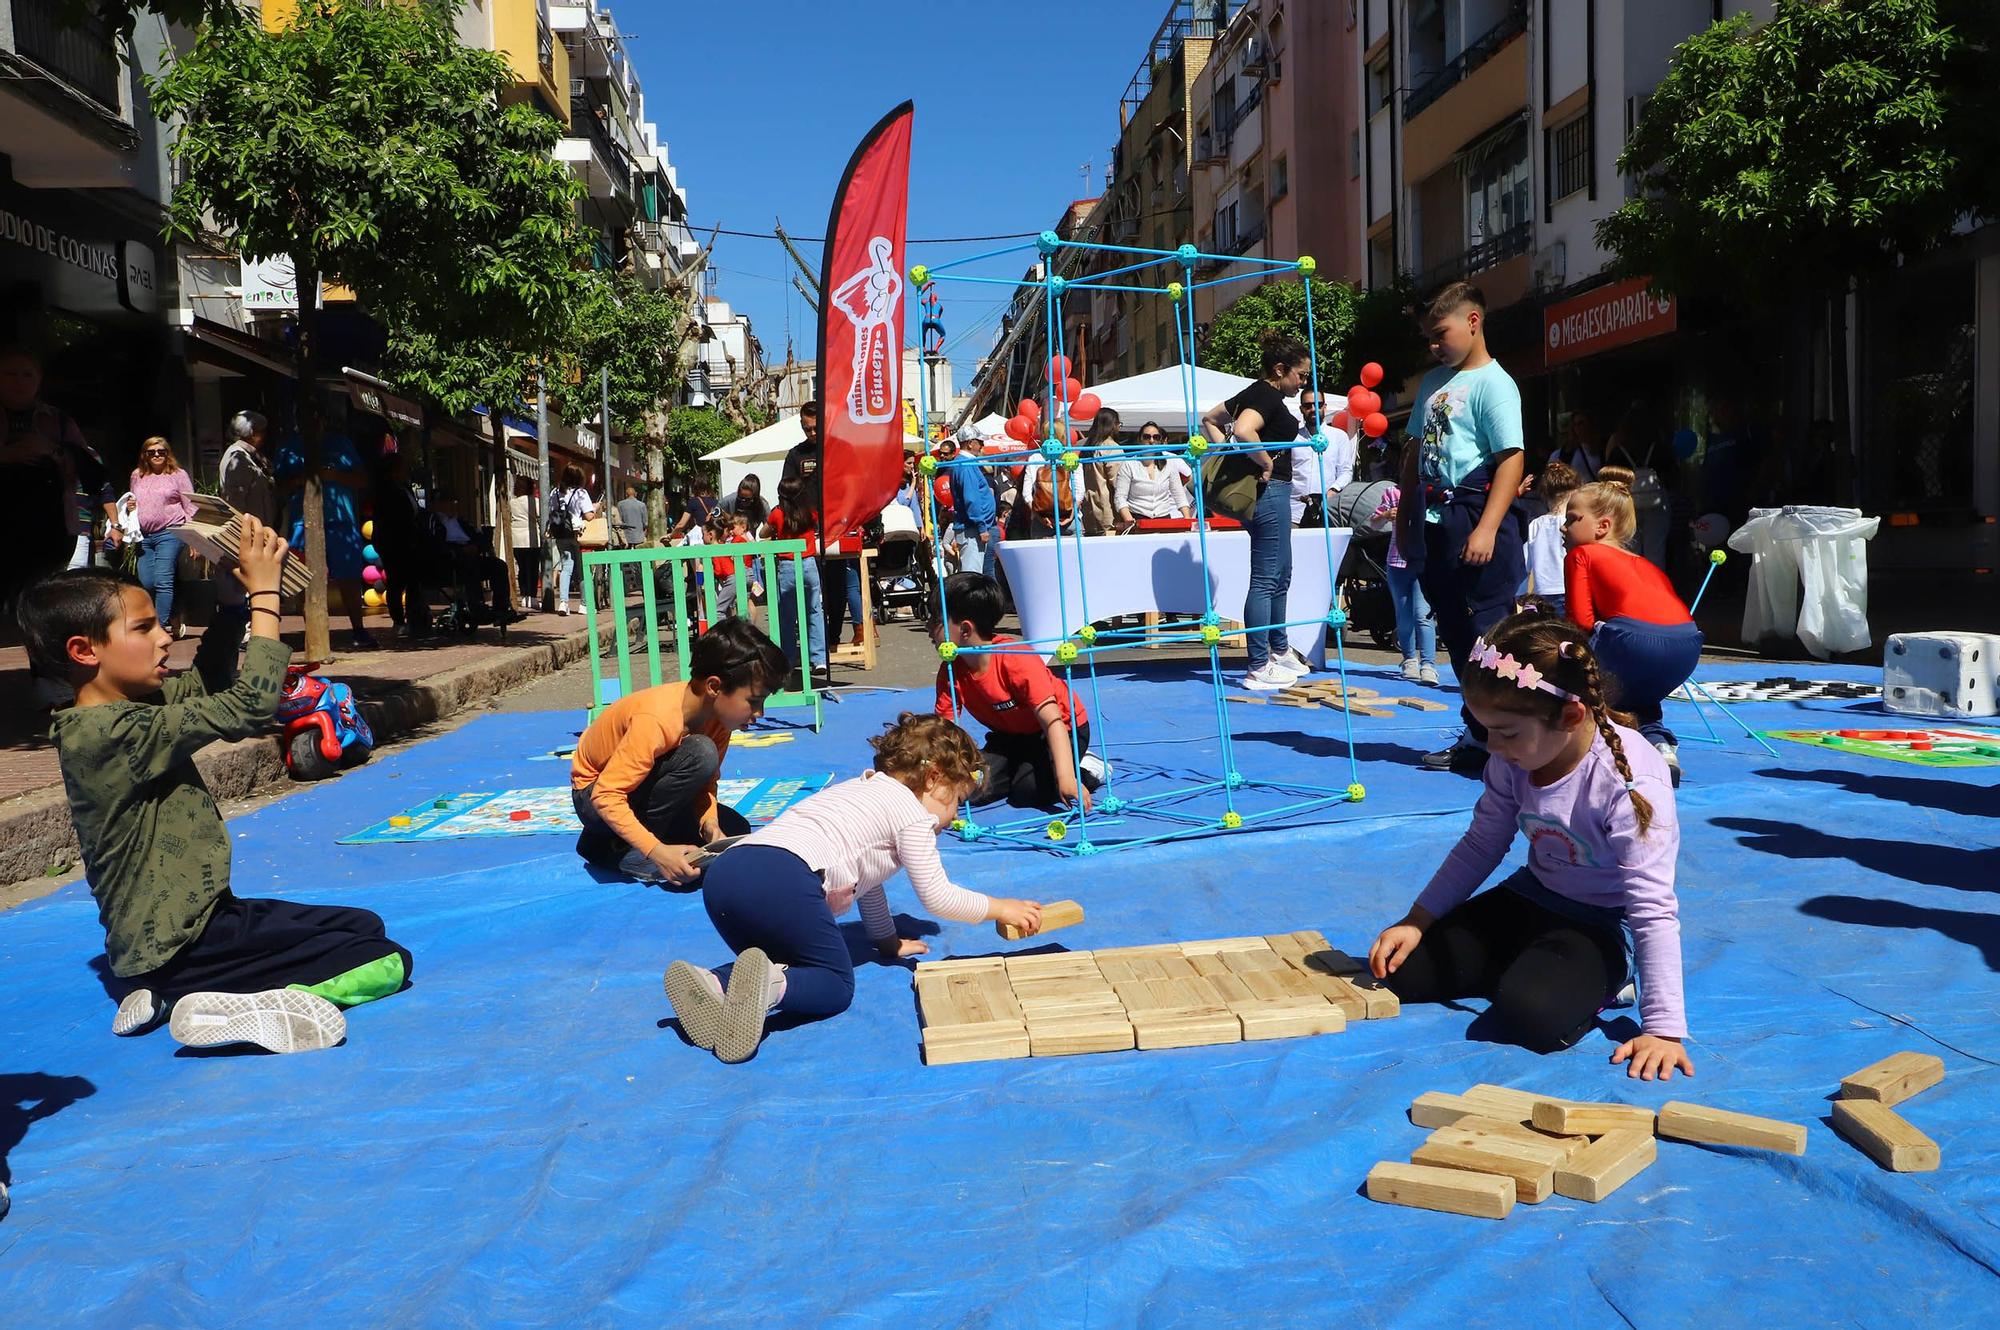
(166, 502)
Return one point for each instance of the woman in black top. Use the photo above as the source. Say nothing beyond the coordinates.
(1260, 415)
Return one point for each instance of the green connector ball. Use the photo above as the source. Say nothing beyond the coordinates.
(919, 275)
(947, 650)
(1308, 264)
(1197, 446)
(927, 464)
(1231, 821)
(1718, 556)
(1211, 633)
(1175, 291)
(1058, 829)
(1069, 461)
(1066, 653)
(1087, 633)
(1357, 792)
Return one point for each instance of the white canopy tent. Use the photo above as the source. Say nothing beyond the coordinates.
(1161, 395)
(763, 454)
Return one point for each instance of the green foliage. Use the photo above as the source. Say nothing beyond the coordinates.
(122, 14)
(636, 334)
(692, 432)
(1798, 153)
(1349, 328)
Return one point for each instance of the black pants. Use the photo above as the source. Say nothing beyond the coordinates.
(402, 584)
(667, 803)
(1021, 769)
(475, 567)
(1470, 598)
(528, 572)
(248, 946)
(1547, 976)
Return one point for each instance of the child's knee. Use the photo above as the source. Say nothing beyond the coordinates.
(696, 752)
(1540, 1020)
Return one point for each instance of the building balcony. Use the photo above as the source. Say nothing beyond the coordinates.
(1248, 236)
(598, 160)
(1478, 258)
(1460, 67)
(84, 55)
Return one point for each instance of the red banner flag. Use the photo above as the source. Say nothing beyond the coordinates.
(861, 330)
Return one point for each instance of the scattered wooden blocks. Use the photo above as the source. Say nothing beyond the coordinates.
(1567, 1147)
(1884, 1135)
(1505, 1102)
(1056, 914)
(1305, 703)
(1533, 1172)
(1719, 1126)
(1483, 1196)
(1894, 1079)
(1434, 1109)
(1555, 1115)
(1610, 1161)
(1421, 704)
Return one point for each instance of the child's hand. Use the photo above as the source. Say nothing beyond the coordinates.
(711, 830)
(675, 862)
(260, 555)
(1392, 948)
(1071, 794)
(1653, 1055)
(1023, 915)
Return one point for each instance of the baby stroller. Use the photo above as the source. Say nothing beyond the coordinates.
(902, 575)
(1362, 583)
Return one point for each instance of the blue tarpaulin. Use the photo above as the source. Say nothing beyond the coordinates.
(522, 1138)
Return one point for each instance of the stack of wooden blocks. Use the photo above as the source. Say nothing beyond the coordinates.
(1865, 1112)
(1168, 995)
(1492, 1146)
(1355, 700)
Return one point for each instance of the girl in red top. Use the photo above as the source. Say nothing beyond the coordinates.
(1643, 637)
(794, 519)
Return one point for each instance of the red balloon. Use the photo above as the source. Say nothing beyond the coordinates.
(1371, 374)
(1376, 425)
(1058, 369)
(1362, 402)
(1021, 429)
(1030, 408)
(1071, 390)
(1087, 406)
(1342, 421)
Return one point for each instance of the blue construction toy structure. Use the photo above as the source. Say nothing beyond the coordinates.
(1208, 806)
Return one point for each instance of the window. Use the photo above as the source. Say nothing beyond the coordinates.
(1354, 154)
(1379, 85)
(1496, 188)
(1569, 156)
(1281, 179)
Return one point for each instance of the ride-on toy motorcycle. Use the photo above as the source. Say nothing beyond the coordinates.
(324, 730)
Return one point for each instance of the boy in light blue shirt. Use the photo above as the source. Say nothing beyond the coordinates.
(1465, 462)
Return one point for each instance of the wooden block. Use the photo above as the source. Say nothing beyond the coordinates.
(1057, 1008)
(998, 994)
(1288, 947)
(1506, 1138)
(1506, 1102)
(1217, 945)
(1534, 1179)
(962, 964)
(1242, 697)
(1146, 994)
(1080, 1034)
(1612, 1160)
(1247, 961)
(1380, 1004)
(1435, 1108)
(1056, 914)
(1263, 985)
(948, 1044)
(1115, 970)
(934, 999)
(1148, 968)
(1176, 967)
(1303, 703)
(1185, 1029)
(1719, 1126)
(1149, 949)
(1060, 985)
(969, 996)
(1885, 1136)
(1043, 964)
(1894, 1079)
(1420, 704)
(1590, 1119)
(1228, 988)
(1565, 1147)
(1450, 1191)
(1272, 1021)
(1208, 965)
(1341, 993)
(1376, 713)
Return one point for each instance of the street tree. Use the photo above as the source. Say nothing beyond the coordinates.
(367, 144)
(635, 334)
(1349, 327)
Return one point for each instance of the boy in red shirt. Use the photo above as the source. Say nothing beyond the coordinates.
(1038, 733)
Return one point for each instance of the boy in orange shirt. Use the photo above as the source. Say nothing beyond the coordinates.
(644, 775)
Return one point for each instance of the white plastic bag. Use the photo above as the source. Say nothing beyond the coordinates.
(1826, 550)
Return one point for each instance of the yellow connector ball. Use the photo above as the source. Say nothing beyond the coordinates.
(1175, 291)
(1058, 829)
(1066, 653)
(1087, 633)
(1308, 264)
(927, 464)
(1211, 633)
(947, 650)
(1718, 556)
(1197, 446)
(1069, 461)
(1357, 792)
(959, 824)
(919, 275)
(1231, 821)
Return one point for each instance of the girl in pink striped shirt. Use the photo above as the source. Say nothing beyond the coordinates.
(774, 895)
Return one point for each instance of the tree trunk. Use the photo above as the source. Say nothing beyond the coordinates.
(319, 642)
(503, 508)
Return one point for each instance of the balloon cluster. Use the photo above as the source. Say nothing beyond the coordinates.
(372, 574)
(1026, 425)
(1364, 405)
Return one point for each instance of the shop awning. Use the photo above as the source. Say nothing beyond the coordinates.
(225, 345)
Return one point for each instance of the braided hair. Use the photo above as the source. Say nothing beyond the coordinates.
(1560, 650)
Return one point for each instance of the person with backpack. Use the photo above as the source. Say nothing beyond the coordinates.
(569, 508)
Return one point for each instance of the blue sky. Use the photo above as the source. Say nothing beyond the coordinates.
(762, 101)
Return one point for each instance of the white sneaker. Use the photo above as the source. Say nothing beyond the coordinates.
(135, 1012)
(280, 1020)
(1412, 669)
(1095, 770)
(1426, 673)
(1266, 680)
(562, 607)
(1291, 662)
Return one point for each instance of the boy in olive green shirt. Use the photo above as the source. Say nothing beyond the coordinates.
(155, 848)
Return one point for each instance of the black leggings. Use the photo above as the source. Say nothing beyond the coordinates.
(1021, 770)
(1547, 976)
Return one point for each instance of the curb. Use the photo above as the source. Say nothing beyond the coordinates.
(35, 829)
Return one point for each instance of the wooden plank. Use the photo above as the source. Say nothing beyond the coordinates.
(1263, 985)
(1271, 1021)
(934, 999)
(1148, 968)
(1141, 994)
(1185, 1029)
(1435, 1108)
(1213, 945)
(1450, 1191)
(1208, 965)
(1228, 988)
(1507, 1102)
(1590, 1119)
(1894, 1079)
(1148, 949)
(1341, 994)
(1116, 970)
(1379, 1004)
(1720, 1126)
(1245, 697)
(1055, 914)
(1056, 1008)
(999, 995)
(1506, 1138)
(1082, 1034)
(1288, 947)
(968, 997)
(1612, 1160)
(1566, 1147)
(961, 964)
(1534, 1180)
(1175, 967)
(1055, 965)
(1248, 961)
(1059, 985)
(948, 1044)
(1420, 704)
(1885, 1136)
(1302, 703)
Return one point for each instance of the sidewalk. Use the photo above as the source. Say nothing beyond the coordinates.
(402, 686)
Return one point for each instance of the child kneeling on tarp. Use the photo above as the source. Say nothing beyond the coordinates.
(1554, 943)
(774, 897)
(156, 850)
(645, 772)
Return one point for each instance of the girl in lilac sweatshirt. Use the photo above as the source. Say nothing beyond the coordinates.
(1553, 944)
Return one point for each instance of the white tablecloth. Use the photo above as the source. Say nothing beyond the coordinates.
(1162, 570)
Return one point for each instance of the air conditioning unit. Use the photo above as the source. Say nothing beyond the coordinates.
(1253, 57)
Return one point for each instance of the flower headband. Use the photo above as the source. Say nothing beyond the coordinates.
(1488, 656)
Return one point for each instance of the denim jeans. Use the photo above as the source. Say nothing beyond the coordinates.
(785, 609)
(1416, 626)
(569, 557)
(971, 554)
(159, 554)
(1270, 528)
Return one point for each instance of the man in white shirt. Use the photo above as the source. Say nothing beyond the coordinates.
(474, 564)
(1341, 450)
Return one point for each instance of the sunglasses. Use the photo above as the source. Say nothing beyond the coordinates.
(1154, 435)
(156, 452)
